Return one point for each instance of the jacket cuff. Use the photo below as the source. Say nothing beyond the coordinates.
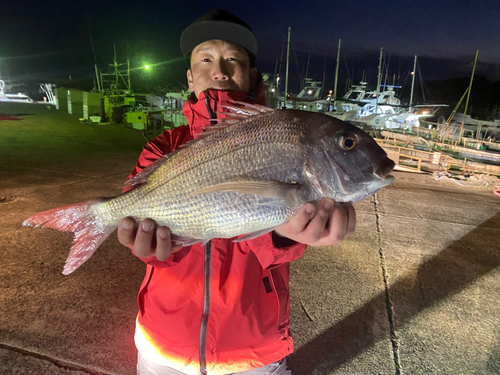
(172, 261)
(271, 256)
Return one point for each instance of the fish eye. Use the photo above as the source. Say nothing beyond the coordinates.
(347, 142)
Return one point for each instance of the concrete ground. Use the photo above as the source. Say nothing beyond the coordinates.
(414, 291)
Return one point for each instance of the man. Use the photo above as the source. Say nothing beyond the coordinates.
(222, 308)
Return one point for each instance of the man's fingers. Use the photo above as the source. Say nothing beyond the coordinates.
(144, 239)
(126, 232)
(316, 228)
(338, 224)
(351, 214)
(163, 243)
(299, 221)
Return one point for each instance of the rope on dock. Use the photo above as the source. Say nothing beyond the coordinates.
(472, 181)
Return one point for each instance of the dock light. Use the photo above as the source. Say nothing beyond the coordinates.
(309, 92)
(272, 90)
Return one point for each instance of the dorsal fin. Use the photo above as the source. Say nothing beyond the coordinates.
(235, 114)
(246, 109)
(141, 177)
(240, 111)
(212, 129)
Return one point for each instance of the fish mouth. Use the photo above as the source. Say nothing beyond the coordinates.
(384, 168)
(388, 180)
(377, 184)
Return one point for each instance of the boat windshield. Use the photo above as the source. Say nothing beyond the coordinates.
(353, 95)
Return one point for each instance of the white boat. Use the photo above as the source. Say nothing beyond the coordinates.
(18, 98)
(373, 115)
(468, 120)
(387, 96)
(358, 93)
(479, 129)
(306, 99)
(358, 103)
(410, 119)
(343, 110)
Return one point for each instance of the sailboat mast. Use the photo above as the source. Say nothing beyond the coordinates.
(307, 68)
(379, 77)
(287, 63)
(115, 65)
(413, 80)
(336, 73)
(128, 76)
(324, 76)
(467, 101)
(97, 78)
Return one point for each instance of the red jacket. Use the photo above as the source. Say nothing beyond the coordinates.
(232, 316)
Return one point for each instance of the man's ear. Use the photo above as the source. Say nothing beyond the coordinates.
(190, 80)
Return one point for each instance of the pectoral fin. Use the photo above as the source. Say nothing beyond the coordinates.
(289, 194)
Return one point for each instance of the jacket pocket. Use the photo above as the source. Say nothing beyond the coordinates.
(279, 277)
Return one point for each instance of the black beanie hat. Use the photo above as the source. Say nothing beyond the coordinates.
(219, 24)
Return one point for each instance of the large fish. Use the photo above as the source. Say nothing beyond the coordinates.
(237, 178)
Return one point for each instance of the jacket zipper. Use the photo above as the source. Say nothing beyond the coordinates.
(206, 308)
(212, 114)
(206, 285)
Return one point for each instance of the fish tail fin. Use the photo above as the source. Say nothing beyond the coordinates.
(89, 230)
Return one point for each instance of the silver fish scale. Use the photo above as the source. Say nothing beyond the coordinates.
(263, 148)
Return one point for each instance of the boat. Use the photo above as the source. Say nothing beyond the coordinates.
(359, 103)
(409, 119)
(479, 129)
(305, 100)
(374, 116)
(13, 98)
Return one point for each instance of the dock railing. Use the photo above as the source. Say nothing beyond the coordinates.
(416, 159)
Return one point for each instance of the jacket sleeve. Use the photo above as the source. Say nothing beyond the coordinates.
(271, 256)
(164, 144)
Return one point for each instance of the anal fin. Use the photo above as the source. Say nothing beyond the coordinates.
(186, 241)
(252, 235)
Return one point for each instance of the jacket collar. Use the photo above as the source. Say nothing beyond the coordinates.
(199, 112)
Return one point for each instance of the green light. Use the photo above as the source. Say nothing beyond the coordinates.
(147, 67)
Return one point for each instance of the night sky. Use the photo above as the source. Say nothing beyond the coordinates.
(52, 40)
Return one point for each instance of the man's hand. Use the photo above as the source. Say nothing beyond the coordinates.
(332, 223)
(146, 241)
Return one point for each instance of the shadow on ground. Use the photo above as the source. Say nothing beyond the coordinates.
(444, 275)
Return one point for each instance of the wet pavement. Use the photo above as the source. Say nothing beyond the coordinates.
(414, 291)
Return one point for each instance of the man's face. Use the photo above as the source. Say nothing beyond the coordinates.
(220, 65)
